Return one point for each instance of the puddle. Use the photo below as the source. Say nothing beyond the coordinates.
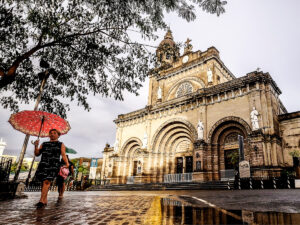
(178, 212)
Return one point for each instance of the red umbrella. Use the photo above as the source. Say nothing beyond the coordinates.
(38, 123)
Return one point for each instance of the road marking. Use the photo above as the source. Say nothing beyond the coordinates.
(217, 208)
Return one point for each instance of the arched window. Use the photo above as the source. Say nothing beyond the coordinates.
(184, 88)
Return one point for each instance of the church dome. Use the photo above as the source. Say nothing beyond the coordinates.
(167, 51)
(168, 40)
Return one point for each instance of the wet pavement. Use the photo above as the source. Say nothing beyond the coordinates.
(157, 207)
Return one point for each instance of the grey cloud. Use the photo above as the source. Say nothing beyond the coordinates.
(250, 34)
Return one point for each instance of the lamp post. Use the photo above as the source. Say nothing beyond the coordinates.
(25, 143)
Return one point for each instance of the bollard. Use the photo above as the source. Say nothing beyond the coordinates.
(228, 185)
(250, 183)
(262, 183)
(288, 183)
(239, 183)
(274, 183)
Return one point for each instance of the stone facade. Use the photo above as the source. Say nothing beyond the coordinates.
(163, 138)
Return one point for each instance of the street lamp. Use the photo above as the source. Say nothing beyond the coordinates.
(43, 76)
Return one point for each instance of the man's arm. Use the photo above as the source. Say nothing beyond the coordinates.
(63, 154)
(37, 149)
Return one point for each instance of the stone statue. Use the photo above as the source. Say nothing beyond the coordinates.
(209, 76)
(200, 129)
(254, 119)
(145, 140)
(116, 145)
(187, 46)
(159, 93)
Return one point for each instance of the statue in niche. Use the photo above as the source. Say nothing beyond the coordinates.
(145, 140)
(159, 93)
(116, 145)
(200, 129)
(209, 76)
(254, 119)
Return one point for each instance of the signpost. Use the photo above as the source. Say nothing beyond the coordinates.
(93, 168)
(241, 147)
(244, 166)
(244, 169)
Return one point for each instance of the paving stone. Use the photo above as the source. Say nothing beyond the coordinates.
(75, 208)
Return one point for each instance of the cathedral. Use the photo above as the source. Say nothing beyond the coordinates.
(196, 111)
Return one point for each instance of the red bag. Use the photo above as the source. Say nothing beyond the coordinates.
(63, 172)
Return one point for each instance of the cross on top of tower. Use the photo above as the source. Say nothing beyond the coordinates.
(187, 46)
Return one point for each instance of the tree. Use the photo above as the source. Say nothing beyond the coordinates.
(86, 46)
(14, 168)
(234, 158)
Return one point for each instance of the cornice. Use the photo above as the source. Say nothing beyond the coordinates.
(193, 64)
(289, 116)
(228, 86)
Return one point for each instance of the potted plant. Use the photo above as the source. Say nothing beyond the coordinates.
(296, 162)
(296, 155)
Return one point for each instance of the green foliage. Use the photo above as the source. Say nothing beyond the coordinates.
(295, 153)
(234, 158)
(83, 169)
(75, 161)
(287, 173)
(14, 168)
(85, 45)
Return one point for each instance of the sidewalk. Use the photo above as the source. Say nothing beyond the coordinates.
(77, 208)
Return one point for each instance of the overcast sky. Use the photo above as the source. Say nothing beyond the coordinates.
(251, 34)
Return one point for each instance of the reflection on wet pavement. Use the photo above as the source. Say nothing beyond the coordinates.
(179, 212)
(150, 208)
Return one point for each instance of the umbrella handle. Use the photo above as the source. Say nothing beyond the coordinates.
(42, 123)
(32, 142)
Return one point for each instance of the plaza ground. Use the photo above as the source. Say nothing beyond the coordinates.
(157, 207)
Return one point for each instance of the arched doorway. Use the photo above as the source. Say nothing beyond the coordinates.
(231, 151)
(172, 148)
(224, 146)
(132, 163)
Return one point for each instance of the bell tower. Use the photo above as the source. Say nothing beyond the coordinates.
(167, 51)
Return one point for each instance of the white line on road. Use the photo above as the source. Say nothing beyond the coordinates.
(217, 208)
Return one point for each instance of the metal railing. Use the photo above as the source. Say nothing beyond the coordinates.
(130, 180)
(227, 174)
(5, 166)
(178, 177)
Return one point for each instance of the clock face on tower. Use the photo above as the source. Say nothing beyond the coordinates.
(185, 59)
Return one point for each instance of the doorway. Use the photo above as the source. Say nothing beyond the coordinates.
(189, 164)
(179, 165)
(135, 165)
(231, 158)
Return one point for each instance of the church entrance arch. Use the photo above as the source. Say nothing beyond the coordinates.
(132, 159)
(173, 147)
(231, 150)
(223, 142)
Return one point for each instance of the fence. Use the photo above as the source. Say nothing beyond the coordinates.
(227, 174)
(178, 177)
(74, 186)
(5, 166)
(130, 180)
(265, 183)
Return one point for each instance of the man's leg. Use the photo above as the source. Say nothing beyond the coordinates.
(45, 188)
(60, 182)
(63, 189)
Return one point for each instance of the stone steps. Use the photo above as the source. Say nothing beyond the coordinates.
(209, 185)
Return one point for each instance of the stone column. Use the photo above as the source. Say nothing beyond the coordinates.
(125, 164)
(215, 162)
(183, 164)
(199, 148)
